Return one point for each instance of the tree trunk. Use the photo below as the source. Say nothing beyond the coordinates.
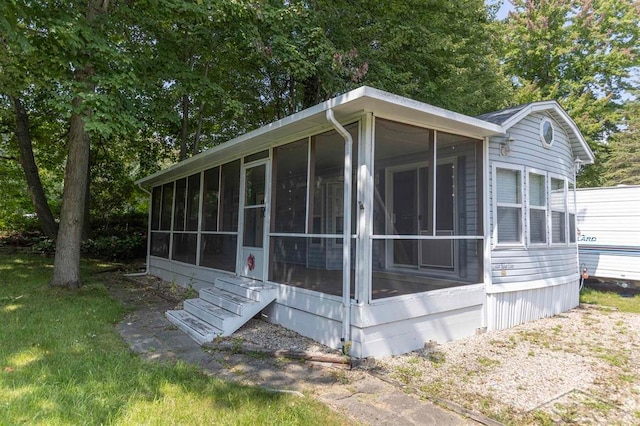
(184, 132)
(196, 138)
(28, 162)
(66, 266)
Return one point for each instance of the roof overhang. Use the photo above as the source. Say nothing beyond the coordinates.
(351, 104)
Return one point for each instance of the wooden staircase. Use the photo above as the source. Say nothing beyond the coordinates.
(222, 309)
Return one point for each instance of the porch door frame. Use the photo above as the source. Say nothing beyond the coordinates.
(390, 221)
(260, 254)
(431, 213)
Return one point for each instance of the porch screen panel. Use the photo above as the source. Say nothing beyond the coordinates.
(312, 257)
(428, 190)
(167, 206)
(156, 203)
(180, 205)
(327, 164)
(221, 197)
(230, 189)
(210, 198)
(218, 251)
(294, 262)
(185, 219)
(193, 202)
(161, 236)
(290, 187)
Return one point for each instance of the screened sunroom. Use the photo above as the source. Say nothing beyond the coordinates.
(425, 224)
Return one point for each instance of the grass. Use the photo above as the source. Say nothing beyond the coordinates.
(610, 299)
(62, 362)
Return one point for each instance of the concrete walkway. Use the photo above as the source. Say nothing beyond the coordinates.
(356, 393)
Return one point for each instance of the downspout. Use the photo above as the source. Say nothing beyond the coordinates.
(346, 233)
(146, 269)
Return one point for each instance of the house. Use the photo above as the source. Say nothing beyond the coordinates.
(375, 223)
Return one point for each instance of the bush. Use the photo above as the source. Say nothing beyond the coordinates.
(116, 247)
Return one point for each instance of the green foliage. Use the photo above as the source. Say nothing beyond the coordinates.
(62, 362)
(580, 53)
(623, 163)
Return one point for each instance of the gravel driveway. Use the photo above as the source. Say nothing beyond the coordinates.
(578, 367)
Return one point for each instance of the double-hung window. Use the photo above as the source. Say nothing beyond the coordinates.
(537, 208)
(509, 205)
(558, 204)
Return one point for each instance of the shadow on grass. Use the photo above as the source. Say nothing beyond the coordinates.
(61, 361)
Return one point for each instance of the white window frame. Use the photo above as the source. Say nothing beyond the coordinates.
(529, 206)
(521, 206)
(571, 205)
(551, 210)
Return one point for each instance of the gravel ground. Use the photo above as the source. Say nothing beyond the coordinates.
(579, 367)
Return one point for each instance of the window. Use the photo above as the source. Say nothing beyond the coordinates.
(558, 202)
(549, 212)
(537, 209)
(572, 213)
(546, 133)
(509, 205)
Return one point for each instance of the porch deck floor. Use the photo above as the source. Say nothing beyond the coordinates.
(384, 283)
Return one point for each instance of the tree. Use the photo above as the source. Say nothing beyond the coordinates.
(579, 52)
(28, 163)
(623, 164)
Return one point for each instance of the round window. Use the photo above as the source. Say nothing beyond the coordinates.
(546, 133)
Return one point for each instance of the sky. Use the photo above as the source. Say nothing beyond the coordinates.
(505, 7)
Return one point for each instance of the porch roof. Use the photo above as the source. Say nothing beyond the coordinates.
(363, 99)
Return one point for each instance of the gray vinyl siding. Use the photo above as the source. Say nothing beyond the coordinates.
(535, 263)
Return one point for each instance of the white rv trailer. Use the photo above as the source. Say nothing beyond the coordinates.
(609, 232)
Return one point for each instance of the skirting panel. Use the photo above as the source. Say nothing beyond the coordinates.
(509, 309)
(183, 274)
(412, 333)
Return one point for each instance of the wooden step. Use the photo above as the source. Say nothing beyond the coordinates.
(226, 300)
(199, 330)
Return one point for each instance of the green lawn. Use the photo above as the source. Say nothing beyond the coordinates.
(62, 362)
(611, 299)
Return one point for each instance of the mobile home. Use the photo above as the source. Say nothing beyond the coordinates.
(375, 223)
(609, 232)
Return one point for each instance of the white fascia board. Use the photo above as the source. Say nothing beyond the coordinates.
(554, 107)
(360, 100)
